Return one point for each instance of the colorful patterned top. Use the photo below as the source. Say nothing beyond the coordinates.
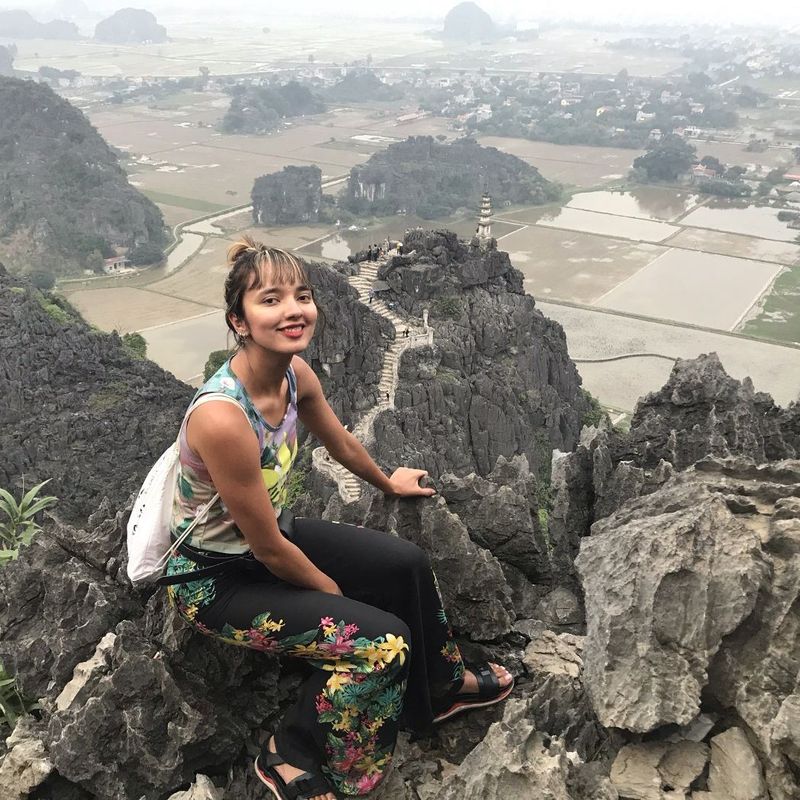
(194, 486)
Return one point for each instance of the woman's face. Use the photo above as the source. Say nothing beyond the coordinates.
(279, 317)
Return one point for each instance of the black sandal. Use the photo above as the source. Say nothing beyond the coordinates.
(303, 787)
(489, 692)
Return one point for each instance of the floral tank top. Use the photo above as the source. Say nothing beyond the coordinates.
(194, 488)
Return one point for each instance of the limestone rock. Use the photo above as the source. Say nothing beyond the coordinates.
(559, 705)
(500, 512)
(26, 764)
(514, 760)
(735, 772)
(201, 789)
(560, 608)
(658, 770)
(666, 577)
(702, 411)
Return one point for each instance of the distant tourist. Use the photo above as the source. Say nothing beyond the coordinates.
(359, 606)
(371, 295)
(405, 333)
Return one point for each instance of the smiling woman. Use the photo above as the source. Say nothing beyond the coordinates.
(362, 607)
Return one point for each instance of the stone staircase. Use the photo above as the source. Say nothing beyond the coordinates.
(350, 486)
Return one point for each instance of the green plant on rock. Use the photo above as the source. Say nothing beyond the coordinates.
(594, 413)
(13, 704)
(447, 307)
(216, 358)
(20, 525)
(135, 344)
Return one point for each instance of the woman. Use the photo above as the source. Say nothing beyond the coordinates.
(360, 606)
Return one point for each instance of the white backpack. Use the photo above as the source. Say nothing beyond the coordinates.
(149, 544)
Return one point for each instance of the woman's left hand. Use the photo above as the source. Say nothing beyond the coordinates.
(405, 483)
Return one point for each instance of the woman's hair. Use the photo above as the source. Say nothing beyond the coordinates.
(252, 264)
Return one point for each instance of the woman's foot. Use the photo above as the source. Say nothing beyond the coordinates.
(470, 685)
(483, 685)
(289, 773)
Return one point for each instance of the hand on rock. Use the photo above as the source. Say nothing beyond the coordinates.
(405, 483)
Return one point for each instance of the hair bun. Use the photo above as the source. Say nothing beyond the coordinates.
(245, 246)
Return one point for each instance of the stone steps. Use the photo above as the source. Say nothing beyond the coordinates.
(349, 486)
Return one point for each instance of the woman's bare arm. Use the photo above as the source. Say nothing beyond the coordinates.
(220, 435)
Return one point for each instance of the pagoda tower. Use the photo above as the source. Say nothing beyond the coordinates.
(484, 224)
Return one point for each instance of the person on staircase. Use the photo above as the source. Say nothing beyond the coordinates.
(360, 606)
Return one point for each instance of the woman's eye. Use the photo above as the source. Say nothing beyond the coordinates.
(269, 300)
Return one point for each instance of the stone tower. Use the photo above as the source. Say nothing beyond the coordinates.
(484, 225)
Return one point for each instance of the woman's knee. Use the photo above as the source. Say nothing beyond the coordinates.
(410, 559)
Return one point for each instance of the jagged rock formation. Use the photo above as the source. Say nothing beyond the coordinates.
(433, 179)
(130, 26)
(260, 109)
(63, 195)
(468, 22)
(498, 380)
(290, 196)
(18, 24)
(360, 86)
(691, 576)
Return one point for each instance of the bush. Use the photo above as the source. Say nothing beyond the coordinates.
(447, 307)
(146, 253)
(135, 344)
(216, 358)
(594, 413)
(43, 279)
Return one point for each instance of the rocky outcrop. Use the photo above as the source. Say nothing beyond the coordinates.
(18, 24)
(130, 26)
(693, 592)
(94, 402)
(424, 176)
(497, 381)
(468, 22)
(293, 195)
(70, 202)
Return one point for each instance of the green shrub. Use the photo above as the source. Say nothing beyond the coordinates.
(594, 413)
(135, 344)
(12, 704)
(445, 307)
(216, 358)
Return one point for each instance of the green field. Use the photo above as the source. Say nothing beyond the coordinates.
(192, 203)
(779, 317)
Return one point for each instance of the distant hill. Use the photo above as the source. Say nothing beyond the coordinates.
(362, 86)
(260, 109)
(293, 195)
(432, 179)
(65, 202)
(6, 61)
(468, 22)
(18, 24)
(130, 26)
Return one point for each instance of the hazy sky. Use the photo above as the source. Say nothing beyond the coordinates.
(785, 13)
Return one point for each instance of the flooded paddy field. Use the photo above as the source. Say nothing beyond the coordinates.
(643, 202)
(637, 230)
(574, 266)
(679, 285)
(732, 244)
(571, 164)
(594, 335)
(760, 221)
(778, 314)
(182, 347)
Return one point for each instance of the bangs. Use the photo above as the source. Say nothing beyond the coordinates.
(278, 268)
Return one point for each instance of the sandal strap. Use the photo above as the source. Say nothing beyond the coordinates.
(306, 786)
(269, 759)
(488, 684)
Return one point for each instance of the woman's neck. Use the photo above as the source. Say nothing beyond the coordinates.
(261, 371)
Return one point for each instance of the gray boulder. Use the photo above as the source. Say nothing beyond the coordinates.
(666, 578)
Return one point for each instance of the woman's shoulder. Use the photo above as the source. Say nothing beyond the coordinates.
(304, 376)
